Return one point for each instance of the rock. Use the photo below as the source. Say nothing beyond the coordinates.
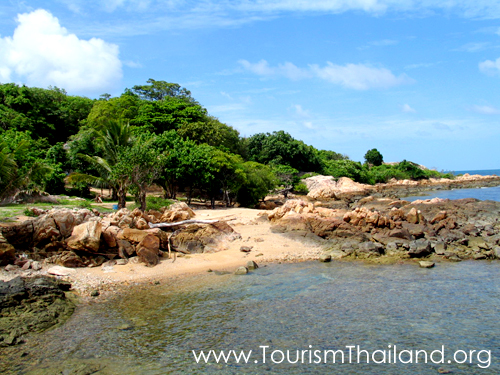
(177, 212)
(7, 252)
(110, 234)
(141, 224)
(369, 248)
(241, 271)
(426, 264)
(60, 271)
(419, 248)
(496, 251)
(325, 187)
(203, 238)
(86, 237)
(11, 267)
(325, 258)
(439, 247)
(441, 215)
(148, 250)
(251, 265)
(36, 266)
(121, 262)
(125, 249)
(246, 249)
(132, 235)
(31, 305)
(94, 293)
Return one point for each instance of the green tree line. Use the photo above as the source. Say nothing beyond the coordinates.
(156, 133)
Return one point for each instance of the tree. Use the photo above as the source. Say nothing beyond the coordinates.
(281, 148)
(159, 90)
(374, 157)
(259, 180)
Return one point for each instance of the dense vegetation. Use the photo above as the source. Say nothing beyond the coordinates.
(156, 133)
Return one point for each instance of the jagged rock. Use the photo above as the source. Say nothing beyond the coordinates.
(110, 235)
(86, 237)
(148, 250)
(420, 248)
(177, 212)
(246, 249)
(141, 224)
(7, 251)
(31, 305)
(325, 187)
(132, 235)
(125, 249)
(68, 259)
(441, 215)
(203, 238)
(369, 248)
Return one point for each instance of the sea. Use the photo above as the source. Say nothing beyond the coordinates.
(301, 318)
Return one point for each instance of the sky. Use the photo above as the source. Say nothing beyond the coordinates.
(416, 79)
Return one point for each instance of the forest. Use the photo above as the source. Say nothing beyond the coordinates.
(158, 134)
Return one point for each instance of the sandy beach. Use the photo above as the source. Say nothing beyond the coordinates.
(266, 247)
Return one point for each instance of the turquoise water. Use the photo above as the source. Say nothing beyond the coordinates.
(305, 306)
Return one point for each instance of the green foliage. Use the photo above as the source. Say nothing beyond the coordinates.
(259, 180)
(301, 189)
(160, 90)
(157, 203)
(281, 148)
(286, 175)
(345, 168)
(374, 157)
(84, 204)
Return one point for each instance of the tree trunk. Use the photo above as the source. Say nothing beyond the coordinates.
(142, 199)
(114, 194)
(122, 198)
(212, 202)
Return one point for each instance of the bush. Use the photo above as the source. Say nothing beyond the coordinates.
(301, 189)
(157, 203)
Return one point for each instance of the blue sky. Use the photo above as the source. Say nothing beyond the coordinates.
(416, 79)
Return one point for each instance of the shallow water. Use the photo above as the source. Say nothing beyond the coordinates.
(153, 330)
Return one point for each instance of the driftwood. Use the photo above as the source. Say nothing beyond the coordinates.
(192, 221)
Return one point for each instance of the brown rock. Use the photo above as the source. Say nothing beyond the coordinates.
(125, 249)
(132, 235)
(412, 216)
(141, 224)
(7, 252)
(441, 215)
(86, 237)
(177, 212)
(110, 235)
(148, 250)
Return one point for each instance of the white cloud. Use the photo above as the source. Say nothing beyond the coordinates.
(474, 47)
(301, 112)
(359, 76)
(486, 110)
(43, 53)
(354, 76)
(288, 70)
(490, 67)
(406, 108)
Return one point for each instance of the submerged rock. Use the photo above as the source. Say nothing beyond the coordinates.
(31, 305)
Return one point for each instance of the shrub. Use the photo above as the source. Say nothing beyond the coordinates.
(301, 189)
(157, 203)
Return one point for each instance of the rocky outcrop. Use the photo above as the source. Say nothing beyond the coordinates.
(371, 228)
(31, 305)
(328, 187)
(79, 238)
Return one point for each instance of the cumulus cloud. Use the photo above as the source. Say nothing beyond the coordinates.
(354, 76)
(43, 53)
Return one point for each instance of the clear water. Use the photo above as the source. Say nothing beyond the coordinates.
(482, 172)
(486, 193)
(152, 330)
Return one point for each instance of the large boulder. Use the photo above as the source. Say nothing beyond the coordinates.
(148, 250)
(201, 238)
(326, 187)
(177, 212)
(86, 237)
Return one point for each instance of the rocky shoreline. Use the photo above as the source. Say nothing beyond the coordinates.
(339, 220)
